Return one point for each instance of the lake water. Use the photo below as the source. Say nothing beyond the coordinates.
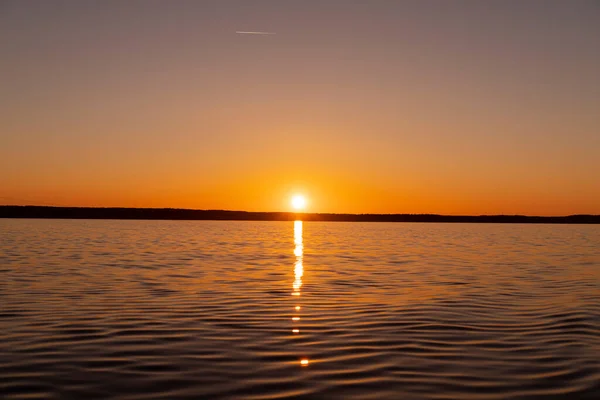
(278, 310)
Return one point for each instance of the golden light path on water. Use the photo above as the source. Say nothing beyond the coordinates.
(298, 273)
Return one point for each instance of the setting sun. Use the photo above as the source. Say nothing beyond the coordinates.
(298, 202)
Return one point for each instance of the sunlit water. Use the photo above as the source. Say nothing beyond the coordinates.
(266, 310)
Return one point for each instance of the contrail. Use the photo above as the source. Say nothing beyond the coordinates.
(254, 33)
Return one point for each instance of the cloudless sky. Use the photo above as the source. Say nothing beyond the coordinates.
(454, 107)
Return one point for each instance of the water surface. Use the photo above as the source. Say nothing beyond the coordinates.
(278, 310)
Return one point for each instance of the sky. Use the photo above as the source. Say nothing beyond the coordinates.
(450, 107)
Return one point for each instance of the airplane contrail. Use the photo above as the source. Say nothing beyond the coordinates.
(254, 33)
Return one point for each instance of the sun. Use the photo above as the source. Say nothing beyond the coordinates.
(298, 202)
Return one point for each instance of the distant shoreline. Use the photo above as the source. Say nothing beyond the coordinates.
(225, 215)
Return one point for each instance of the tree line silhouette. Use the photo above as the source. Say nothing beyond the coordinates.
(186, 214)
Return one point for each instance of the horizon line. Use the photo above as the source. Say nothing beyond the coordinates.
(306, 213)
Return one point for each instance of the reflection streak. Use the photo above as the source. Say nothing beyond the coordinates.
(298, 252)
(298, 273)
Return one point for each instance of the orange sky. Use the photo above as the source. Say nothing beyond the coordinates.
(382, 107)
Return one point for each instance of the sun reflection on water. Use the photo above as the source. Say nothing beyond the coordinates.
(298, 252)
(298, 273)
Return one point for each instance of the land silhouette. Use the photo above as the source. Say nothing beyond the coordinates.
(10, 211)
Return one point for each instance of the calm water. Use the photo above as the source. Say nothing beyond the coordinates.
(277, 310)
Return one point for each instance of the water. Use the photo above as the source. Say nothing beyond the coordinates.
(277, 310)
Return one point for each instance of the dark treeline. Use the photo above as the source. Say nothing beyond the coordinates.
(184, 214)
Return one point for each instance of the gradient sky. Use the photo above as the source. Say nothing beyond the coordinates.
(453, 107)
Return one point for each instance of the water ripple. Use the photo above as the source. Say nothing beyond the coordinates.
(259, 310)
